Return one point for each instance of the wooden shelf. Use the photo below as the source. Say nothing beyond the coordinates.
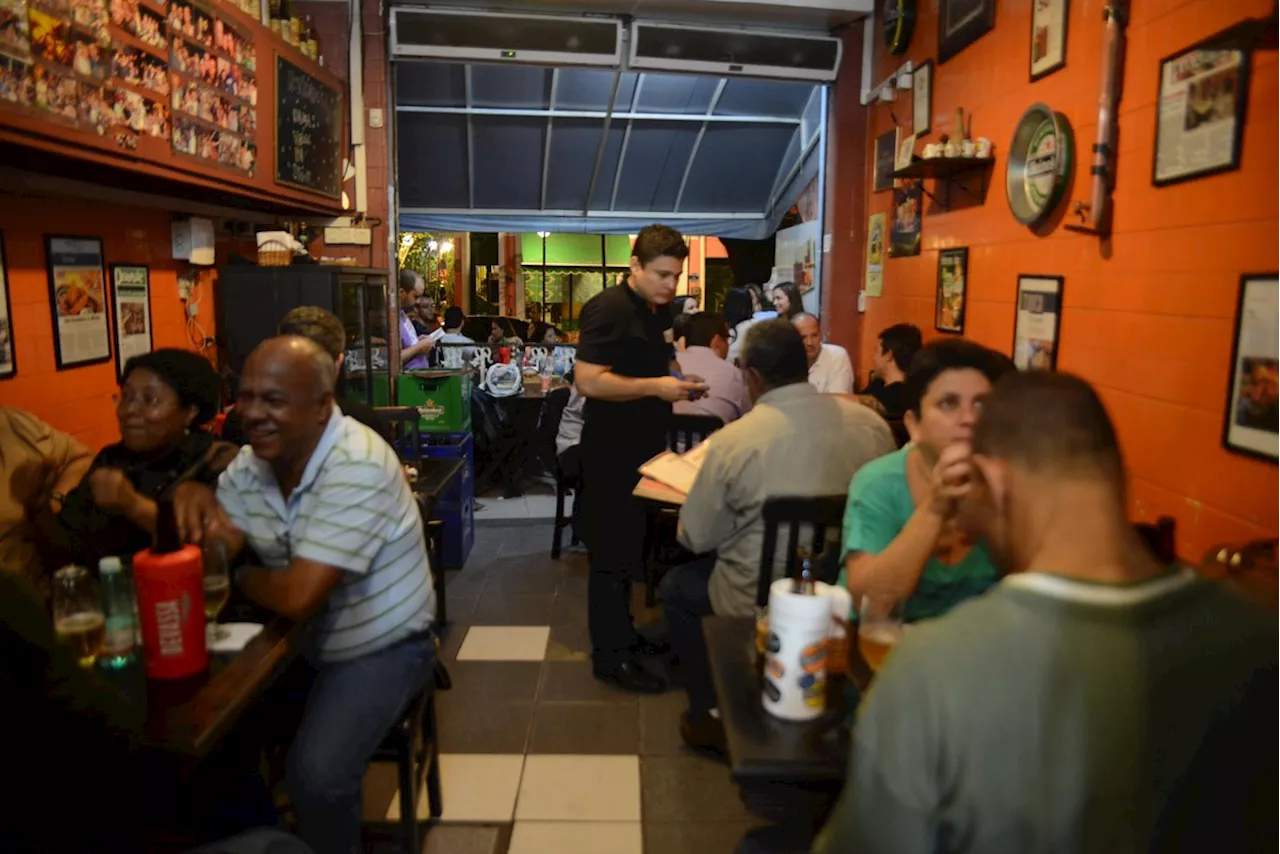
(949, 171)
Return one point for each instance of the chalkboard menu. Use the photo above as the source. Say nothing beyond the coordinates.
(308, 131)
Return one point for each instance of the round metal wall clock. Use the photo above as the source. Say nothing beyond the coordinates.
(1039, 164)
(899, 20)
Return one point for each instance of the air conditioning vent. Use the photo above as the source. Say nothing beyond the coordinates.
(746, 53)
(496, 37)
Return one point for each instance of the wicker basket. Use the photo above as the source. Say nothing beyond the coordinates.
(273, 253)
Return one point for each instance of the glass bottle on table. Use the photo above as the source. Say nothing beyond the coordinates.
(78, 620)
(119, 608)
(217, 587)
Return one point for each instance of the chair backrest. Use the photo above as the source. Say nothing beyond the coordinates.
(549, 426)
(688, 430)
(1160, 538)
(819, 515)
(404, 428)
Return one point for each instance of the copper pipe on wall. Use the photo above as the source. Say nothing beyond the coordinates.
(1095, 215)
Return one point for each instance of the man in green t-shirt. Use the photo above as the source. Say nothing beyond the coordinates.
(1094, 701)
(900, 533)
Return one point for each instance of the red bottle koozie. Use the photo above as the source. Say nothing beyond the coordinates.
(170, 591)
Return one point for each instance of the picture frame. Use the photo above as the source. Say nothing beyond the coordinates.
(906, 151)
(961, 23)
(908, 213)
(8, 349)
(77, 300)
(1251, 419)
(953, 284)
(1048, 52)
(922, 99)
(886, 151)
(1037, 322)
(1200, 110)
(131, 328)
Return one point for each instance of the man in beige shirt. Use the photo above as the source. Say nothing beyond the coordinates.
(38, 467)
(794, 442)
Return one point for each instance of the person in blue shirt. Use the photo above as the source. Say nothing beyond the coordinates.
(900, 530)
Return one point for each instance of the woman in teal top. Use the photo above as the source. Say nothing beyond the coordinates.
(900, 526)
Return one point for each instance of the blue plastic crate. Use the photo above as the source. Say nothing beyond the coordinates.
(459, 521)
(454, 446)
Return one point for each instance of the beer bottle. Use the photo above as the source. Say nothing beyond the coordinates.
(118, 608)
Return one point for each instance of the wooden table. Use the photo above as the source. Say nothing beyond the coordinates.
(435, 475)
(189, 716)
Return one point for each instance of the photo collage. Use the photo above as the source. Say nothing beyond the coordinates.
(55, 56)
(134, 68)
(214, 93)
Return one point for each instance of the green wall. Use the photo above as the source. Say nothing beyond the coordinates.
(577, 250)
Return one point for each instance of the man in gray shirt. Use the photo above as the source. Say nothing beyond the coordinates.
(794, 442)
(706, 338)
(1094, 701)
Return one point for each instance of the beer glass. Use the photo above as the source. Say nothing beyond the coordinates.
(217, 586)
(879, 627)
(78, 619)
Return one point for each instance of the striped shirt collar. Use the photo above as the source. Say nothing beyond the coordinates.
(265, 476)
(1092, 593)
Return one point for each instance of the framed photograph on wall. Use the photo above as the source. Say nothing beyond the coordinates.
(922, 98)
(78, 299)
(1252, 424)
(906, 151)
(953, 280)
(885, 152)
(8, 355)
(877, 225)
(1200, 110)
(1048, 36)
(1039, 317)
(961, 23)
(904, 237)
(131, 315)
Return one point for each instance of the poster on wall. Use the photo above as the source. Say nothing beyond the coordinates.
(1035, 330)
(77, 297)
(961, 23)
(953, 279)
(8, 360)
(131, 298)
(885, 152)
(796, 250)
(1048, 37)
(1253, 407)
(1200, 114)
(877, 225)
(904, 239)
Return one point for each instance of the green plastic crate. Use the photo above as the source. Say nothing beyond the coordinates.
(442, 398)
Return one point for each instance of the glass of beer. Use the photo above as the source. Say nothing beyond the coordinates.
(217, 586)
(879, 627)
(78, 619)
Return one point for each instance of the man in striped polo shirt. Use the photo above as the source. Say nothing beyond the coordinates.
(321, 500)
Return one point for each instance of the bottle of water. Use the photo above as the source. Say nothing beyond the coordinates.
(118, 605)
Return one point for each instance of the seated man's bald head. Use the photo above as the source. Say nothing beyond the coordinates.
(302, 359)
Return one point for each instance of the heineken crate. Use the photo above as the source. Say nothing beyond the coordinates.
(442, 398)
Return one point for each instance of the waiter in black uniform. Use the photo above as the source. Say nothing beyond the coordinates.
(625, 369)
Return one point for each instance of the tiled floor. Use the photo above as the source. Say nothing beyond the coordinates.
(538, 757)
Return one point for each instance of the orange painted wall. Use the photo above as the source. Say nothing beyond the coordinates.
(78, 400)
(1148, 315)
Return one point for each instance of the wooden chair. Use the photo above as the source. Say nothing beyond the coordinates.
(413, 744)
(684, 432)
(404, 421)
(822, 515)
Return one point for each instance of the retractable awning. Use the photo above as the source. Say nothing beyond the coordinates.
(525, 148)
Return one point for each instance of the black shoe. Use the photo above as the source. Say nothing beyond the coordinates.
(650, 648)
(704, 734)
(630, 676)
